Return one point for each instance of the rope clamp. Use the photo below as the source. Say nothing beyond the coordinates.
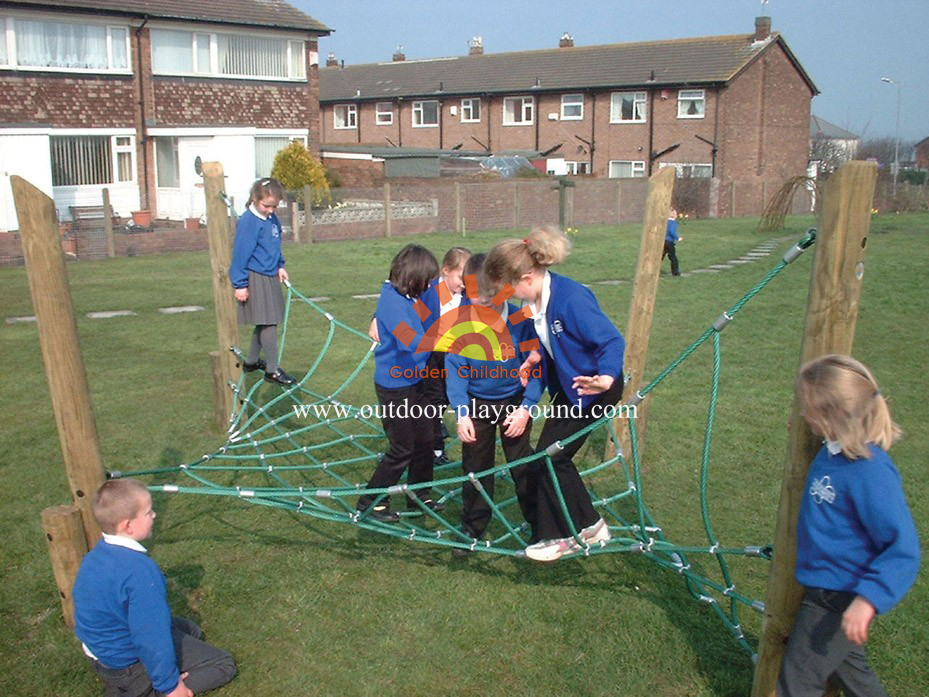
(170, 487)
(722, 321)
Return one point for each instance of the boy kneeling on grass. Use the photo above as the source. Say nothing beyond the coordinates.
(121, 608)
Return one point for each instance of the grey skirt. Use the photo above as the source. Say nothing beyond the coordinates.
(265, 304)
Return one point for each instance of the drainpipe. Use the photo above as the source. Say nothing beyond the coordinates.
(651, 127)
(593, 122)
(143, 140)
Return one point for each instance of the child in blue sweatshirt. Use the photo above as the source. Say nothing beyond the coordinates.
(398, 383)
(670, 242)
(488, 394)
(121, 611)
(857, 547)
(256, 273)
(582, 364)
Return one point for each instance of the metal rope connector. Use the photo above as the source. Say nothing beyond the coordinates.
(722, 321)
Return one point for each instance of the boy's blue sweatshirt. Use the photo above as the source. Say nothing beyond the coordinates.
(468, 377)
(671, 231)
(855, 532)
(257, 248)
(583, 339)
(121, 612)
(392, 357)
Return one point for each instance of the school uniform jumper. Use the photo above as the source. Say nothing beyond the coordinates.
(578, 339)
(670, 246)
(855, 536)
(409, 437)
(121, 615)
(474, 391)
(434, 388)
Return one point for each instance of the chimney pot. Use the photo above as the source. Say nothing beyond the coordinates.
(331, 61)
(566, 41)
(399, 55)
(475, 46)
(762, 28)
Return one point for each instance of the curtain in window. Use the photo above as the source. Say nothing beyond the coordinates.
(251, 55)
(172, 51)
(265, 150)
(167, 167)
(60, 45)
(81, 160)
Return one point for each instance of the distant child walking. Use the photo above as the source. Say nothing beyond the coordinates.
(487, 395)
(256, 272)
(121, 611)
(857, 547)
(670, 242)
(582, 366)
(398, 384)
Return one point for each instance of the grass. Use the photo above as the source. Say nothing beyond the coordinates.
(311, 607)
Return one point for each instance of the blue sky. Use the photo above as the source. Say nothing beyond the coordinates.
(846, 46)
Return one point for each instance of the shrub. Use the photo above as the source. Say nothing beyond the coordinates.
(295, 167)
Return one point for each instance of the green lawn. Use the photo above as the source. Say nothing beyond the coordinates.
(313, 607)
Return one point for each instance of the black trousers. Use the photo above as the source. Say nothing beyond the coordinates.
(208, 666)
(434, 393)
(543, 510)
(479, 456)
(409, 439)
(670, 251)
(819, 650)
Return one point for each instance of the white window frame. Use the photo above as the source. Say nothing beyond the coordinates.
(577, 166)
(637, 168)
(685, 170)
(469, 106)
(294, 65)
(115, 151)
(573, 102)
(526, 110)
(419, 114)
(616, 108)
(384, 117)
(349, 120)
(170, 142)
(8, 30)
(687, 97)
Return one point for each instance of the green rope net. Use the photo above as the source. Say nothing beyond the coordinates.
(306, 450)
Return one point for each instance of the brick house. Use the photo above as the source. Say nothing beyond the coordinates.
(922, 154)
(125, 94)
(735, 108)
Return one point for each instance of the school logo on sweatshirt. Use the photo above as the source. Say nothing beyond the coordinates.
(473, 331)
(822, 490)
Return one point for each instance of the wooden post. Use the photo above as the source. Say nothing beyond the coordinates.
(295, 219)
(642, 305)
(220, 240)
(66, 547)
(307, 213)
(220, 387)
(458, 227)
(108, 225)
(387, 211)
(831, 314)
(732, 199)
(619, 201)
(61, 351)
(515, 204)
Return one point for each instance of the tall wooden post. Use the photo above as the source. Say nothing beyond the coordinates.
(642, 305)
(61, 351)
(66, 547)
(387, 211)
(108, 225)
(458, 226)
(307, 213)
(831, 314)
(220, 240)
(295, 219)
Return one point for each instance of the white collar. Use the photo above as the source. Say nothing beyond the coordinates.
(126, 542)
(255, 212)
(505, 312)
(833, 446)
(538, 312)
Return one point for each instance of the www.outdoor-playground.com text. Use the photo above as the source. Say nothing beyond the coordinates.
(482, 410)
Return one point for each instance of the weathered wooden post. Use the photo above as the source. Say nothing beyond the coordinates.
(387, 212)
(67, 545)
(307, 213)
(295, 219)
(219, 235)
(831, 315)
(64, 370)
(642, 305)
(108, 225)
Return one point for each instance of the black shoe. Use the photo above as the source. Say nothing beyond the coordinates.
(434, 506)
(381, 513)
(440, 460)
(462, 551)
(279, 377)
(257, 365)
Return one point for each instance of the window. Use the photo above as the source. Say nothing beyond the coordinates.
(384, 113)
(627, 107)
(345, 115)
(470, 110)
(577, 167)
(572, 107)
(689, 171)
(518, 111)
(48, 45)
(626, 169)
(92, 160)
(425, 114)
(227, 55)
(266, 148)
(691, 104)
(167, 165)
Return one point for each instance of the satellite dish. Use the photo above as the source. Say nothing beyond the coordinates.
(198, 165)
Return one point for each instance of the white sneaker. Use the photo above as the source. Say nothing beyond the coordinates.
(596, 534)
(552, 550)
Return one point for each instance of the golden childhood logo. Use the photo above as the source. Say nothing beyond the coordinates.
(473, 331)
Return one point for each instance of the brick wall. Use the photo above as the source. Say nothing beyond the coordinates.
(66, 102)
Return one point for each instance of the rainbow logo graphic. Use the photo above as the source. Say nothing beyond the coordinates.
(473, 331)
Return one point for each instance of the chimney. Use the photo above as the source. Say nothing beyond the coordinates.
(566, 41)
(762, 28)
(331, 61)
(475, 46)
(399, 55)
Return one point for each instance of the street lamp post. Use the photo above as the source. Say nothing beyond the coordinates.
(896, 171)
